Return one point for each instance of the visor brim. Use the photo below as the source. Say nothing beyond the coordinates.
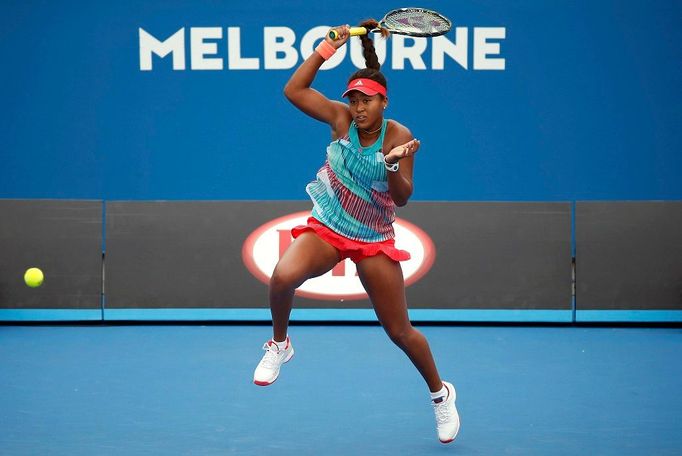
(365, 90)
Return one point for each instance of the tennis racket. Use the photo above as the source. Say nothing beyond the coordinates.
(406, 21)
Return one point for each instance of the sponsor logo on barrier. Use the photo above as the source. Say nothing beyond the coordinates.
(264, 247)
(219, 48)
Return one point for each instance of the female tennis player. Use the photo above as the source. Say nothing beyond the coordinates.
(367, 172)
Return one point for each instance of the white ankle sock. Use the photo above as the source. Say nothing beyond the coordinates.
(442, 393)
(281, 345)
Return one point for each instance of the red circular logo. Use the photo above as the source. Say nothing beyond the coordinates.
(264, 247)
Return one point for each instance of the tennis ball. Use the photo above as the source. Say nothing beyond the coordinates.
(33, 277)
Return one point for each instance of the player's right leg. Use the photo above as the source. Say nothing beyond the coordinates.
(308, 256)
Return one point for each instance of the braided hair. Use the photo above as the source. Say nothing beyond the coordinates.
(369, 53)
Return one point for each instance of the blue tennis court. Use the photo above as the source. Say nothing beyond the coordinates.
(162, 389)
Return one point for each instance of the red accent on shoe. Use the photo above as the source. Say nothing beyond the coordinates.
(272, 342)
(256, 382)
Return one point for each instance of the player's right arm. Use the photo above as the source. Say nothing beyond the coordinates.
(309, 100)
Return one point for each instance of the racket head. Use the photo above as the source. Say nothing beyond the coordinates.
(416, 22)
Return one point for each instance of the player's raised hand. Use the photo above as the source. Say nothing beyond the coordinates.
(342, 34)
(404, 150)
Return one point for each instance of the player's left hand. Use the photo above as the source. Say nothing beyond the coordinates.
(405, 150)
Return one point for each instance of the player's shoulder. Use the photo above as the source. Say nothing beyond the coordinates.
(398, 132)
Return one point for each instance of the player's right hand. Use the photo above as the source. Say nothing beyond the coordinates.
(344, 34)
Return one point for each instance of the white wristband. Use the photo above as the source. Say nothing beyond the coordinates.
(392, 167)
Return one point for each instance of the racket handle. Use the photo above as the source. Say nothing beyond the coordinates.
(354, 31)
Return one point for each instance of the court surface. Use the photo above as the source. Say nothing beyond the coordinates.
(187, 390)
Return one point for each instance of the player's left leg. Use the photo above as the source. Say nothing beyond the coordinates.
(382, 278)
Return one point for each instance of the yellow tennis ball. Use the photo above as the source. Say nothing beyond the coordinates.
(33, 277)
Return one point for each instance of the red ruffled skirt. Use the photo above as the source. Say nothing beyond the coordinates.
(348, 248)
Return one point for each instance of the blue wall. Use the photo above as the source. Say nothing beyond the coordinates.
(587, 107)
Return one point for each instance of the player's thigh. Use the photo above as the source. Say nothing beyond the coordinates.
(308, 256)
(383, 280)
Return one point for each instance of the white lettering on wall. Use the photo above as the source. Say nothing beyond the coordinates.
(200, 48)
(278, 41)
(407, 48)
(234, 52)
(457, 50)
(174, 45)
(280, 50)
(483, 48)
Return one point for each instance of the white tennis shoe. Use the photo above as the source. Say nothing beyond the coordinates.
(267, 370)
(447, 418)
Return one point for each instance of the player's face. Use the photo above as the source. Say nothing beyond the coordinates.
(367, 111)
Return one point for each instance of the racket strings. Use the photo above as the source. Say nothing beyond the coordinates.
(415, 21)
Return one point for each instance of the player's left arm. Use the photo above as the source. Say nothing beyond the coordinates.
(402, 147)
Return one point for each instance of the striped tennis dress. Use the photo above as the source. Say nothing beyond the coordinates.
(350, 195)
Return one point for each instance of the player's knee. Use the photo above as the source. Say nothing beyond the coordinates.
(283, 279)
(401, 335)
